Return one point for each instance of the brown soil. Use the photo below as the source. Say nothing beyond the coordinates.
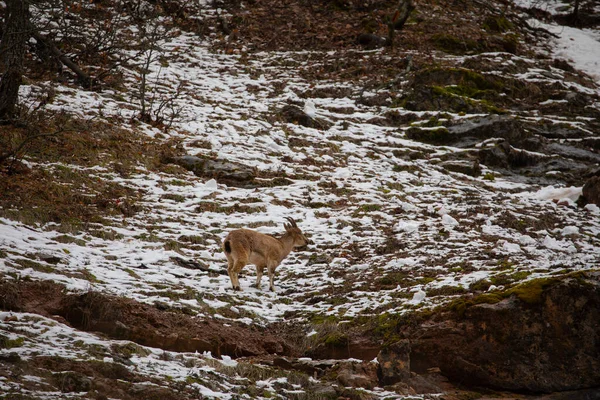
(301, 25)
(126, 319)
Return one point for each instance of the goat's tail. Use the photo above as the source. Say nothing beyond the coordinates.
(227, 246)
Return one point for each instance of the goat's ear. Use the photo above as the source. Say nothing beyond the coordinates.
(287, 227)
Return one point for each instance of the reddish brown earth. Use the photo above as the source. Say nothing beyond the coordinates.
(127, 319)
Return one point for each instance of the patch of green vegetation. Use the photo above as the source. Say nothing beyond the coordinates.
(425, 280)
(454, 45)
(318, 204)
(387, 326)
(175, 197)
(504, 264)
(401, 168)
(495, 23)
(439, 135)
(370, 207)
(69, 239)
(336, 339)
(446, 290)
(489, 176)
(488, 298)
(319, 319)
(211, 206)
(481, 285)
(89, 276)
(172, 245)
(531, 292)
(394, 279)
(179, 182)
(443, 233)
(26, 263)
(132, 273)
(506, 279)
(466, 91)
(6, 343)
(105, 234)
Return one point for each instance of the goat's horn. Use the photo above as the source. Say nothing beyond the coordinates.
(292, 222)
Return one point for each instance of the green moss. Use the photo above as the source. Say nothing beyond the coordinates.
(488, 298)
(469, 91)
(132, 273)
(175, 197)
(531, 292)
(505, 278)
(454, 45)
(480, 285)
(6, 343)
(69, 239)
(401, 279)
(494, 23)
(446, 291)
(370, 207)
(387, 326)
(439, 135)
(211, 206)
(26, 263)
(425, 280)
(318, 319)
(336, 339)
(489, 176)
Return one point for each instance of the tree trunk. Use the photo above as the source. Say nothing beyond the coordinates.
(12, 52)
(396, 23)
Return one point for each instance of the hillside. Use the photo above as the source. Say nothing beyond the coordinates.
(448, 167)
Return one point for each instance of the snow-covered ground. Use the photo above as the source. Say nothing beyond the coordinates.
(350, 192)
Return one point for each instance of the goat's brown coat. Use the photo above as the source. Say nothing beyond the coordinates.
(245, 246)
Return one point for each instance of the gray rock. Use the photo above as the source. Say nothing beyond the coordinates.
(218, 169)
(591, 190)
(295, 115)
(357, 374)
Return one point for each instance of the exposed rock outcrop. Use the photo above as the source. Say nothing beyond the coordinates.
(542, 337)
(220, 169)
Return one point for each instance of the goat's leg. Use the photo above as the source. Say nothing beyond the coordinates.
(259, 274)
(230, 272)
(238, 265)
(271, 271)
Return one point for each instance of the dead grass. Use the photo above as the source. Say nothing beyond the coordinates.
(59, 188)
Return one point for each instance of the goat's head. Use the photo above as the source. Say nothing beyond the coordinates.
(292, 229)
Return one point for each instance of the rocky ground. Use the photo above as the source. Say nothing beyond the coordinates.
(448, 185)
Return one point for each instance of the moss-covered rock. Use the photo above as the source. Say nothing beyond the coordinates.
(497, 23)
(455, 45)
(520, 339)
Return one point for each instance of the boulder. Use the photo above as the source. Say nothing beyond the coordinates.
(371, 41)
(505, 156)
(357, 374)
(295, 115)
(394, 363)
(541, 336)
(214, 168)
(72, 381)
(591, 190)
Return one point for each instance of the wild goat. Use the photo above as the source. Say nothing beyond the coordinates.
(245, 246)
